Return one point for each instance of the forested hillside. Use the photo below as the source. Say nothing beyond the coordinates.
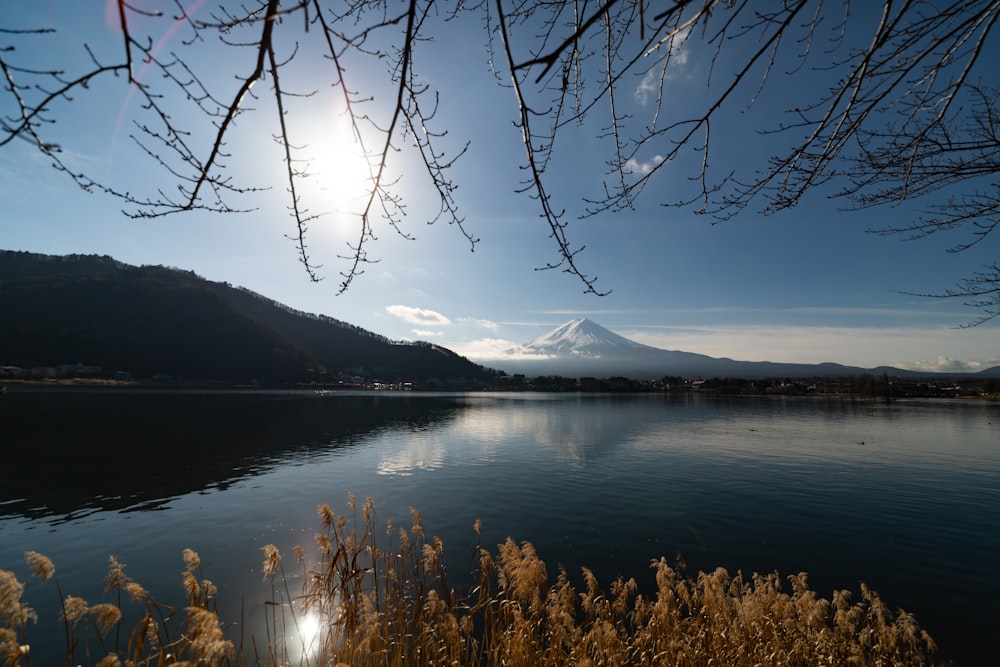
(165, 322)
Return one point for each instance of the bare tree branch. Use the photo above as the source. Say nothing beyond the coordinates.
(908, 110)
(555, 219)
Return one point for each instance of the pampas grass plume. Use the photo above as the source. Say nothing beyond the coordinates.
(105, 615)
(74, 609)
(383, 598)
(41, 567)
(13, 612)
(272, 560)
(191, 559)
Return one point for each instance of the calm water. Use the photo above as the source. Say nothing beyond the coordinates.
(904, 496)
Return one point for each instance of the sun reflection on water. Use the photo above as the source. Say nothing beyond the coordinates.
(311, 633)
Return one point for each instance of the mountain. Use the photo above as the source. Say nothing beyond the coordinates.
(582, 348)
(94, 311)
(159, 321)
(585, 339)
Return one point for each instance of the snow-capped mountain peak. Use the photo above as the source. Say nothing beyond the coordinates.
(583, 338)
(582, 348)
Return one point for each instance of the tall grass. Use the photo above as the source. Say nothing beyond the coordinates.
(381, 596)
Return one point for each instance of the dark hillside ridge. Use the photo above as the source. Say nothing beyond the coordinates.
(165, 322)
(17, 265)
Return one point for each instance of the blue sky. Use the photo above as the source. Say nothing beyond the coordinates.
(807, 285)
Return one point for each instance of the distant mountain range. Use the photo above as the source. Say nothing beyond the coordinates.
(95, 312)
(582, 348)
(92, 312)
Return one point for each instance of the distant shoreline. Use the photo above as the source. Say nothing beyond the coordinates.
(112, 384)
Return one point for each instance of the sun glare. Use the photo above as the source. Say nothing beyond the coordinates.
(338, 170)
(310, 633)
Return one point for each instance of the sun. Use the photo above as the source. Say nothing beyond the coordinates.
(337, 171)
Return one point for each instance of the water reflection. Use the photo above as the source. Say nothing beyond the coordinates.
(485, 427)
(80, 452)
(570, 427)
(903, 496)
(422, 450)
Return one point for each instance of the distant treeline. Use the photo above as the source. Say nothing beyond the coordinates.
(863, 386)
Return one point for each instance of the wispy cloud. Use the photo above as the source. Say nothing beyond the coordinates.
(648, 86)
(586, 313)
(651, 84)
(874, 315)
(484, 324)
(495, 349)
(900, 347)
(420, 316)
(424, 333)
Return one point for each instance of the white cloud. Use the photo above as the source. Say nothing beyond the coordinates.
(418, 315)
(648, 86)
(494, 349)
(634, 166)
(424, 333)
(949, 365)
(675, 64)
(485, 324)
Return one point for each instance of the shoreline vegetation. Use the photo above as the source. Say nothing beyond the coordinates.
(865, 386)
(379, 595)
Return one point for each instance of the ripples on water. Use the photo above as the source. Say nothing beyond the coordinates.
(904, 496)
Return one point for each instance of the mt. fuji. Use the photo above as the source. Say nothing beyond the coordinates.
(587, 340)
(583, 338)
(582, 348)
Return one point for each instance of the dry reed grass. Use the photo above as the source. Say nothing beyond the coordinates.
(382, 597)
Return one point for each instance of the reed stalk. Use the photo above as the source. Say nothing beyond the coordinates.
(380, 596)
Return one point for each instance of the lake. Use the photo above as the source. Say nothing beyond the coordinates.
(904, 496)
